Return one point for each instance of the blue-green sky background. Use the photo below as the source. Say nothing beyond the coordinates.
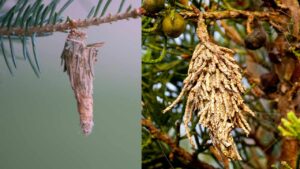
(39, 123)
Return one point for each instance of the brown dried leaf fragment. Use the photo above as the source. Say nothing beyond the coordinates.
(78, 60)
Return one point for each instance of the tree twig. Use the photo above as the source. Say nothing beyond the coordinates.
(69, 25)
(230, 14)
(177, 150)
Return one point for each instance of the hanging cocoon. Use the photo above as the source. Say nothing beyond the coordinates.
(78, 59)
(213, 88)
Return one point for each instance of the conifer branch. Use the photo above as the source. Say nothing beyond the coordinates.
(60, 27)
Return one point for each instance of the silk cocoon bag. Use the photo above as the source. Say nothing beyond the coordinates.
(78, 60)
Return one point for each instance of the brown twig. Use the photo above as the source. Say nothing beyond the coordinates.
(278, 20)
(180, 152)
(69, 25)
(230, 14)
(249, 22)
(220, 156)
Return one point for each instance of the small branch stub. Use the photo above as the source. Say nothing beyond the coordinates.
(78, 60)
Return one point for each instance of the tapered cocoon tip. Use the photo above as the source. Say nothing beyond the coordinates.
(85, 109)
(87, 127)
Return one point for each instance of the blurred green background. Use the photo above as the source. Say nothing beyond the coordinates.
(39, 123)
